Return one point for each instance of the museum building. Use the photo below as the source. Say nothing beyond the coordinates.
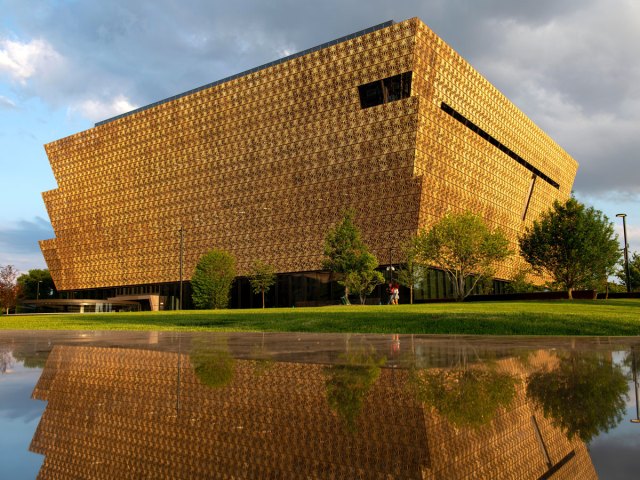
(389, 121)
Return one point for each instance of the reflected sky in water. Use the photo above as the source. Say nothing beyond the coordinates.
(19, 417)
(148, 404)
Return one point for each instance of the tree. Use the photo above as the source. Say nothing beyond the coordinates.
(37, 283)
(262, 278)
(462, 246)
(573, 244)
(412, 271)
(212, 279)
(345, 252)
(634, 272)
(363, 282)
(584, 395)
(9, 289)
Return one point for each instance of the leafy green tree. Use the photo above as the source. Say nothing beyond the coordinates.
(584, 395)
(212, 279)
(363, 282)
(262, 278)
(634, 272)
(9, 289)
(37, 283)
(348, 383)
(573, 244)
(463, 246)
(345, 252)
(412, 271)
(467, 397)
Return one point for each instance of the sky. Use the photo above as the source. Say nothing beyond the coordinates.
(572, 66)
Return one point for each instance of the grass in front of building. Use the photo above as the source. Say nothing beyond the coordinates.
(577, 317)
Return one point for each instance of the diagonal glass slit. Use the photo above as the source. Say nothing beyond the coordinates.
(496, 143)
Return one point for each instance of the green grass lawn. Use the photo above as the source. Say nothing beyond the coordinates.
(578, 317)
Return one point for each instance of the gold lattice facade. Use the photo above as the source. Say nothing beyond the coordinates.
(392, 123)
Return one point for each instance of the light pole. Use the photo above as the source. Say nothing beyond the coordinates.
(635, 386)
(626, 250)
(390, 267)
(181, 262)
(38, 290)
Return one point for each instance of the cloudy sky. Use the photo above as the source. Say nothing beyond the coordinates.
(573, 66)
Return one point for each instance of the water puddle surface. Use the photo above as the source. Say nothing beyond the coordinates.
(131, 405)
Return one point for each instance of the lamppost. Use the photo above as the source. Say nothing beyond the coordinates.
(626, 250)
(181, 262)
(635, 386)
(38, 290)
(390, 269)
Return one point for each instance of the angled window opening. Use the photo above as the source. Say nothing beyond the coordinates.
(386, 90)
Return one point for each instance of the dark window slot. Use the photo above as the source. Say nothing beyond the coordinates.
(385, 90)
(493, 141)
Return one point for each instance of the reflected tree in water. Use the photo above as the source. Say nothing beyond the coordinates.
(212, 362)
(348, 382)
(262, 358)
(31, 359)
(584, 395)
(463, 387)
(467, 397)
(6, 360)
(32, 354)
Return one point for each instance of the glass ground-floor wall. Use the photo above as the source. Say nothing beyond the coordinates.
(299, 289)
(321, 288)
(436, 285)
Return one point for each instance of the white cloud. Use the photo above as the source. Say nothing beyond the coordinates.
(21, 61)
(577, 76)
(7, 103)
(96, 109)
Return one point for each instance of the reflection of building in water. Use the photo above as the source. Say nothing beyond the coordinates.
(123, 413)
(518, 443)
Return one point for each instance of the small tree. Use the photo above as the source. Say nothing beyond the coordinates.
(464, 248)
(573, 244)
(412, 271)
(9, 289)
(212, 279)
(345, 252)
(363, 282)
(634, 272)
(262, 278)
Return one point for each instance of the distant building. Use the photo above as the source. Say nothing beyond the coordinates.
(389, 121)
